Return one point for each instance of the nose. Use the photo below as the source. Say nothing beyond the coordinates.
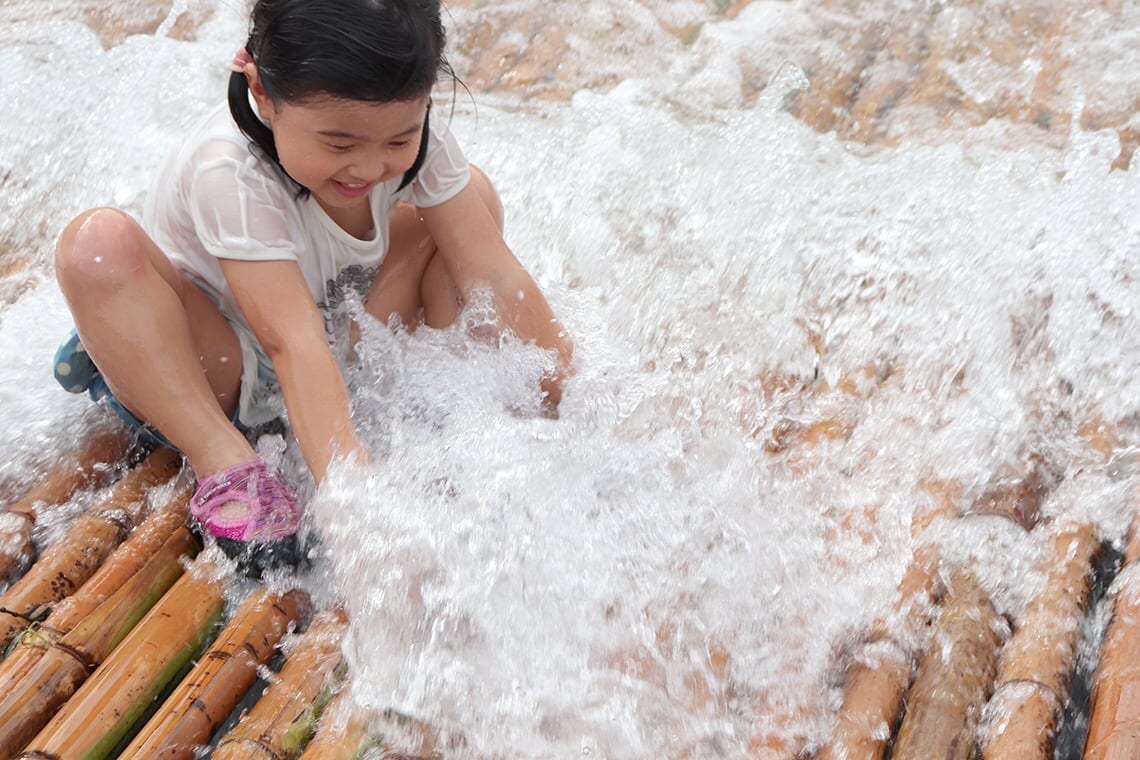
(369, 165)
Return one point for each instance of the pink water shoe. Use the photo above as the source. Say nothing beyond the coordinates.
(273, 511)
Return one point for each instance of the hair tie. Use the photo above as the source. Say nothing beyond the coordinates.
(241, 58)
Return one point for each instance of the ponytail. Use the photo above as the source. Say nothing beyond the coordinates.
(248, 122)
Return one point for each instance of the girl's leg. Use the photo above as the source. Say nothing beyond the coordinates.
(413, 277)
(164, 349)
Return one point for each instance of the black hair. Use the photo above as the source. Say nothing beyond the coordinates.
(375, 50)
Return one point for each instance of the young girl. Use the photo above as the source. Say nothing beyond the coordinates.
(329, 173)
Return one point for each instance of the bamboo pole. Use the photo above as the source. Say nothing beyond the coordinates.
(69, 563)
(104, 446)
(45, 671)
(347, 731)
(282, 721)
(872, 702)
(341, 733)
(97, 720)
(873, 697)
(877, 680)
(125, 561)
(1114, 713)
(1036, 664)
(208, 694)
(954, 678)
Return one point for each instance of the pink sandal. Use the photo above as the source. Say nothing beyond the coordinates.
(273, 511)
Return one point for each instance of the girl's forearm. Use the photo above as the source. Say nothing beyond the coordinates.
(527, 314)
(318, 405)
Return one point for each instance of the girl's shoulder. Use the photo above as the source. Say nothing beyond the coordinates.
(444, 170)
(214, 142)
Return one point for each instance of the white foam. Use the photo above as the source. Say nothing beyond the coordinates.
(546, 587)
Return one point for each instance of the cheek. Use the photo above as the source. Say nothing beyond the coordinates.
(407, 157)
(303, 164)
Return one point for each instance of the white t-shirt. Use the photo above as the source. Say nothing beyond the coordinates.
(217, 197)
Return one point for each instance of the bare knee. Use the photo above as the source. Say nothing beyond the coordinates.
(488, 193)
(103, 245)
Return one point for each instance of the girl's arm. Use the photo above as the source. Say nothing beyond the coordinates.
(476, 255)
(278, 306)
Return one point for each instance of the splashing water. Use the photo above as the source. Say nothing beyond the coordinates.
(783, 340)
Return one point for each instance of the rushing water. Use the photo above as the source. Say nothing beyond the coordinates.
(787, 345)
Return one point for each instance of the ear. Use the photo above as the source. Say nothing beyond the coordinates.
(260, 96)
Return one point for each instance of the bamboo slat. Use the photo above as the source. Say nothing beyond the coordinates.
(1114, 721)
(97, 720)
(347, 732)
(873, 696)
(207, 695)
(1036, 664)
(283, 720)
(125, 561)
(341, 733)
(954, 680)
(872, 699)
(69, 563)
(104, 446)
(1114, 713)
(46, 669)
(872, 703)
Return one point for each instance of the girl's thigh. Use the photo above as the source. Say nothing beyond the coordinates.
(105, 251)
(413, 282)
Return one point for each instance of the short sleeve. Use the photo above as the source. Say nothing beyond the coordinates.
(444, 172)
(241, 210)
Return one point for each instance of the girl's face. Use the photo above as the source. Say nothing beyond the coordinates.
(340, 149)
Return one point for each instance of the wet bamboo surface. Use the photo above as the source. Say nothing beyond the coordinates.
(1114, 722)
(135, 656)
(87, 467)
(981, 685)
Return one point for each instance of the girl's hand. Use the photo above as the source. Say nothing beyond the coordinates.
(468, 238)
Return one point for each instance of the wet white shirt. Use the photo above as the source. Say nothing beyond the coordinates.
(217, 197)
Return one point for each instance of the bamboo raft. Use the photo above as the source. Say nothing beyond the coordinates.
(119, 644)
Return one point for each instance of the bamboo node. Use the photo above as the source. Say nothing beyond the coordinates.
(257, 743)
(116, 517)
(85, 660)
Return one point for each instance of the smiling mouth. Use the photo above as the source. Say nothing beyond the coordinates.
(353, 189)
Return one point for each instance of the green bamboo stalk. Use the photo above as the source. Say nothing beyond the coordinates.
(46, 670)
(343, 731)
(68, 564)
(284, 718)
(98, 720)
(208, 694)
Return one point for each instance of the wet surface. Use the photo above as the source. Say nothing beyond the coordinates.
(837, 272)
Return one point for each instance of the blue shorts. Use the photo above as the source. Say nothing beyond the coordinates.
(75, 371)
